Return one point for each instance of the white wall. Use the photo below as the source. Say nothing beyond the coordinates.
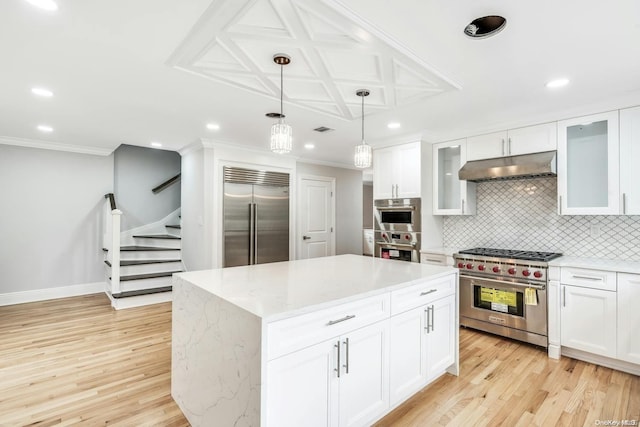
(136, 171)
(367, 205)
(348, 204)
(51, 222)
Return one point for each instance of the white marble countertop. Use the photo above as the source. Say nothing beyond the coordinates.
(444, 250)
(618, 265)
(279, 290)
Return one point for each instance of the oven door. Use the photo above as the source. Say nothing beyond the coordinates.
(502, 303)
(401, 252)
(397, 218)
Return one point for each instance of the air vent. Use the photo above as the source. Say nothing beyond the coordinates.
(323, 129)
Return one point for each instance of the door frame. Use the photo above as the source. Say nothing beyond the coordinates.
(298, 233)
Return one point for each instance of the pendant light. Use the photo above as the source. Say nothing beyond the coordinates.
(281, 137)
(362, 155)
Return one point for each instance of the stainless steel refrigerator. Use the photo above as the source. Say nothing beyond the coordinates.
(256, 216)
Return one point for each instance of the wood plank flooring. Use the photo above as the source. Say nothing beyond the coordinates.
(75, 361)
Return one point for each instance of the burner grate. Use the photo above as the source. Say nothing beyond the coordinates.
(512, 254)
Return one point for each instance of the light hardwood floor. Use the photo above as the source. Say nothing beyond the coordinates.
(75, 361)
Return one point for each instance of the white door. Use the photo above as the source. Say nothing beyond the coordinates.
(407, 361)
(316, 217)
(628, 317)
(588, 320)
(440, 348)
(364, 382)
(302, 388)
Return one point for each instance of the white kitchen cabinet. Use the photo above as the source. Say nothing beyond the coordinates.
(588, 165)
(396, 171)
(629, 317)
(525, 140)
(451, 196)
(629, 160)
(588, 320)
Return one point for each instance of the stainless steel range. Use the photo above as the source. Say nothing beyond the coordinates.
(504, 292)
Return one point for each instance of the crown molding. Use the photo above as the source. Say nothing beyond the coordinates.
(55, 146)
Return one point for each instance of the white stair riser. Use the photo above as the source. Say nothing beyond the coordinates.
(127, 270)
(157, 243)
(140, 284)
(174, 231)
(140, 300)
(139, 255)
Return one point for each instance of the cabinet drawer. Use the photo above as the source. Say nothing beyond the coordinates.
(422, 293)
(587, 278)
(285, 336)
(433, 258)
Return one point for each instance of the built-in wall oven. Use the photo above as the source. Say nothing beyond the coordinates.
(397, 229)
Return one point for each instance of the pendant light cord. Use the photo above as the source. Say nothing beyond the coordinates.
(281, 92)
(363, 119)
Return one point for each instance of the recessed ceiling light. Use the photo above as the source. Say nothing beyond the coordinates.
(44, 4)
(393, 125)
(156, 144)
(45, 128)
(309, 146)
(557, 83)
(213, 126)
(40, 91)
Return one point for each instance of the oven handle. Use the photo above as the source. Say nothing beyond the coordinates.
(519, 285)
(402, 245)
(395, 208)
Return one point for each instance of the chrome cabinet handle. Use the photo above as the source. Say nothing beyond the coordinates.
(306, 237)
(564, 296)
(598, 279)
(337, 346)
(463, 206)
(503, 146)
(624, 203)
(509, 146)
(433, 260)
(426, 319)
(333, 322)
(346, 365)
(560, 204)
(433, 310)
(252, 220)
(428, 292)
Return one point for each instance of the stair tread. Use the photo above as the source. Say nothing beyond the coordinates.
(158, 236)
(143, 261)
(142, 292)
(146, 248)
(173, 226)
(148, 275)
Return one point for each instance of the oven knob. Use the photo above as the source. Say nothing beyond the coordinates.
(460, 265)
(537, 274)
(481, 267)
(526, 273)
(512, 271)
(469, 266)
(407, 237)
(496, 269)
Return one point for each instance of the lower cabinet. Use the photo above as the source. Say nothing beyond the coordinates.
(588, 320)
(629, 317)
(340, 382)
(422, 346)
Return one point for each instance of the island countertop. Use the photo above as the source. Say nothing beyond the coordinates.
(279, 290)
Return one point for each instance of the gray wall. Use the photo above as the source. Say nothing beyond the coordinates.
(367, 205)
(52, 213)
(137, 171)
(348, 204)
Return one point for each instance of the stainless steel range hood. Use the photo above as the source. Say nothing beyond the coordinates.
(512, 167)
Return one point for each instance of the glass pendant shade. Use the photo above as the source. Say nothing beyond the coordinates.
(281, 138)
(362, 155)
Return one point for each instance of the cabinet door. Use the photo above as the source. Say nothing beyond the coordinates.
(364, 381)
(588, 320)
(407, 169)
(440, 336)
(302, 388)
(629, 317)
(629, 160)
(588, 165)
(487, 146)
(407, 361)
(532, 139)
(451, 196)
(384, 182)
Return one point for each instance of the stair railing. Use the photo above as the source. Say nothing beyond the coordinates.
(166, 184)
(111, 240)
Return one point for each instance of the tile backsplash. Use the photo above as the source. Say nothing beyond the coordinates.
(522, 214)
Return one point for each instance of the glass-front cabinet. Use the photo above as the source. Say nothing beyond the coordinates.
(588, 165)
(451, 196)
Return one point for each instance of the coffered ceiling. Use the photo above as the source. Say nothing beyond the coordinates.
(134, 72)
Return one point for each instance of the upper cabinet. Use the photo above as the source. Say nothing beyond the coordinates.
(451, 196)
(629, 160)
(396, 171)
(530, 139)
(588, 165)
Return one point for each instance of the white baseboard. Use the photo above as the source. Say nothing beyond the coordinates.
(51, 293)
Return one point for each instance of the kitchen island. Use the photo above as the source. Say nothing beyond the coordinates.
(336, 341)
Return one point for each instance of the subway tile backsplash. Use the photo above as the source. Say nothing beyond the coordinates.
(522, 214)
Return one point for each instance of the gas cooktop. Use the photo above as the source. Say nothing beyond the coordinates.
(512, 254)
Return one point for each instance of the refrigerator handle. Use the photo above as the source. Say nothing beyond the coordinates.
(252, 220)
(255, 233)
